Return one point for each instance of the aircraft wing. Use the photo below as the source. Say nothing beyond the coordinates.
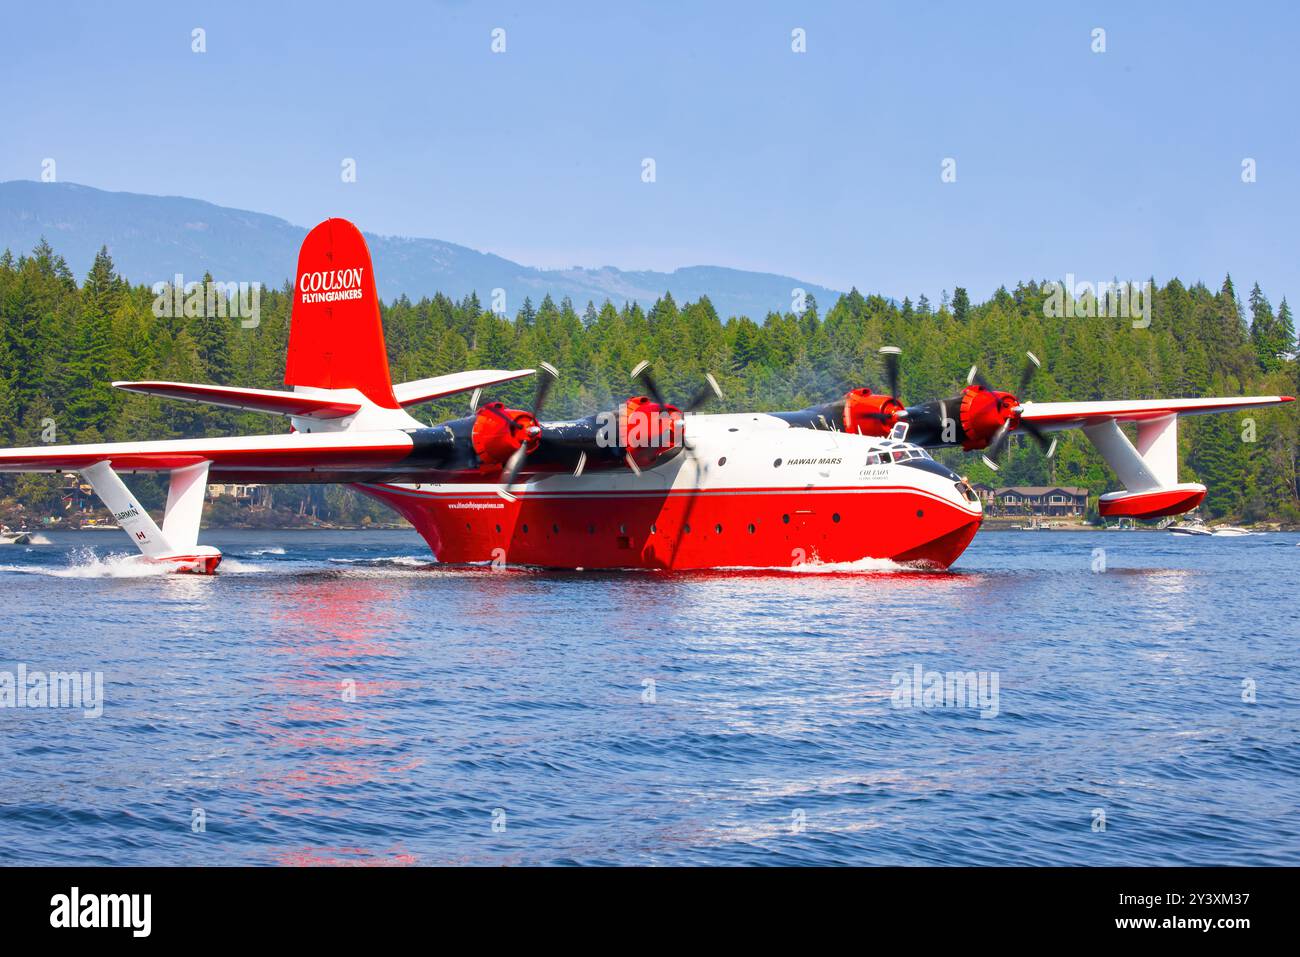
(292, 458)
(1055, 416)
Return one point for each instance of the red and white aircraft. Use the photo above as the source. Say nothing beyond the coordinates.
(645, 486)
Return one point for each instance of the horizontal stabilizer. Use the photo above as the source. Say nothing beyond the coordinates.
(426, 390)
(250, 400)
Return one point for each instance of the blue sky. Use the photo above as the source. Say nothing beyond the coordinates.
(823, 165)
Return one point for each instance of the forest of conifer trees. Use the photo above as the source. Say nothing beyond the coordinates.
(62, 342)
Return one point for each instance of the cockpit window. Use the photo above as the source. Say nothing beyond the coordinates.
(896, 452)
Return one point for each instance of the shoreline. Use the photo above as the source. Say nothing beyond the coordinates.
(1017, 525)
(989, 525)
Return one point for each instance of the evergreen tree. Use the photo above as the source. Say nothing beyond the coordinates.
(960, 305)
(91, 401)
(1286, 331)
(1265, 331)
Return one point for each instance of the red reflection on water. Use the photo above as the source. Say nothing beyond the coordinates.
(340, 771)
(336, 618)
(332, 689)
(343, 857)
(320, 733)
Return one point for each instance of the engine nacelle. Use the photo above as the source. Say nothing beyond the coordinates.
(648, 430)
(982, 413)
(866, 413)
(499, 433)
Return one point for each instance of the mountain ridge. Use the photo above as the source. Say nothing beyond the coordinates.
(151, 238)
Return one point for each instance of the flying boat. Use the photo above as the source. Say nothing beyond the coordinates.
(648, 485)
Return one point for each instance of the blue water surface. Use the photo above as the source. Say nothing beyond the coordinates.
(336, 697)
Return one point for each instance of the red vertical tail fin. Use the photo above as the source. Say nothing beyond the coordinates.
(336, 337)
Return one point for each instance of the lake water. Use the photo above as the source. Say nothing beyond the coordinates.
(337, 697)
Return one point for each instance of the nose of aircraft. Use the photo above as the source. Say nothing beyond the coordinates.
(941, 480)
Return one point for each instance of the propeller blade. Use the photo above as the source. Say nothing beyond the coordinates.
(707, 394)
(892, 356)
(513, 465)
(1039, 437)
(473, 399)
(582, 464)
(974, 378)
(1027, 374)
(544, 383)
(642, 374)
(998, 441)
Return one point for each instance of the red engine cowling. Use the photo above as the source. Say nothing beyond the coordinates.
(982, 413)
(866, 413)
(500, 432)
(648, 430)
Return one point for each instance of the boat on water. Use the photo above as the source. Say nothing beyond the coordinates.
(1197, 527)
(10, 537)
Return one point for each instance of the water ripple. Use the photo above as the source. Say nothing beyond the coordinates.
(339, 699)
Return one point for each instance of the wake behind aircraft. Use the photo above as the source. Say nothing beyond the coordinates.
(649, 485)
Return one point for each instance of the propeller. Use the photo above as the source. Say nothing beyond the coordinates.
(998, 442)
(1032, 365)
(860, 409)
(547, 378)
(710, 391)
